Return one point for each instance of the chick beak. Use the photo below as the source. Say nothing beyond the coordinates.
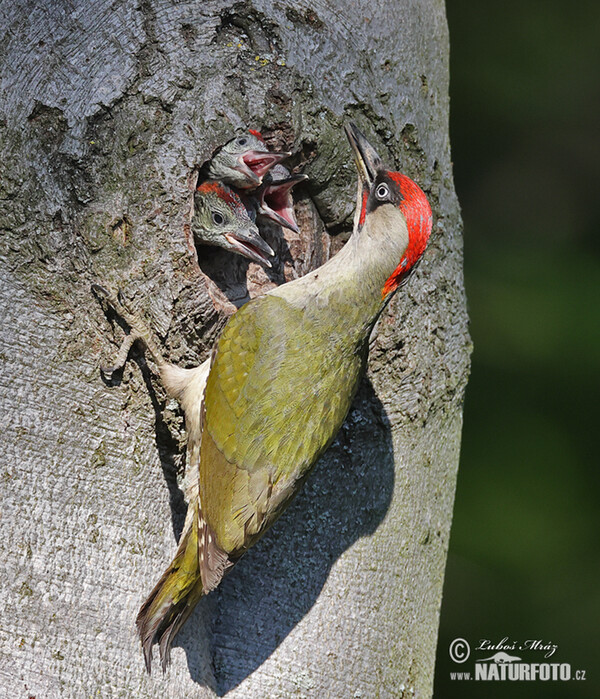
(368, 162)
(258, 163)
(277, 204)
(247, 242)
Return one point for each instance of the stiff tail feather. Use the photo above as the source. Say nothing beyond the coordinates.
(172, 600)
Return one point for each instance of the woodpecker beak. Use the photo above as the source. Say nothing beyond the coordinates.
(368, 162)
(277, 204)
(255, 163)
(247, 242)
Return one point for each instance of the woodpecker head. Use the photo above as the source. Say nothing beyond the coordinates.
(275, 197)
(383, 197)
(220, 218)
(244, 161)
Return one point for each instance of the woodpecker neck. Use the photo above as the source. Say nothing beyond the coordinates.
(346, 291)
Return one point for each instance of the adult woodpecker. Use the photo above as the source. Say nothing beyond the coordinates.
(280, 383)
(243, 161)
(220, 218)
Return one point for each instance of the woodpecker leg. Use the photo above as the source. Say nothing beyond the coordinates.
(139, 331)
(122, 355)
(185, 385)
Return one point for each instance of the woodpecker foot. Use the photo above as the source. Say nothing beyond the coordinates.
(121, 358)
(138, 331)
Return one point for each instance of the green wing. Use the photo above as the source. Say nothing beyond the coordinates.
(279, 389)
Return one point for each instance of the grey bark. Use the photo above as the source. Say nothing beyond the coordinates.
(106, 111)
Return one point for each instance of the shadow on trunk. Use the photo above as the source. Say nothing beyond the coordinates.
(344, 499)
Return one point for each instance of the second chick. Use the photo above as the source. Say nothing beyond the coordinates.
(220, 218)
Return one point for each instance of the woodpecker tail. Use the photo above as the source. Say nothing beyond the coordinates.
(174, 597)
(197, 568)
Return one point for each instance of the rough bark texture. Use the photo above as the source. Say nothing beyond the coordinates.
(107, 109)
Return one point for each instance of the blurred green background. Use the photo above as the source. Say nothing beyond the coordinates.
(525, 128)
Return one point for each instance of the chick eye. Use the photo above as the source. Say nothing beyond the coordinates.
(242, 141)
(382, 192)
(217, 218)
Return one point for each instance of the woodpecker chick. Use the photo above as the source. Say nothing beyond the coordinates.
(274, 197)
(220, 218)
(244, 161)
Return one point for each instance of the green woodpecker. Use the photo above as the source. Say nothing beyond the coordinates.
(243, 161)
(277, 389)
(220, 218)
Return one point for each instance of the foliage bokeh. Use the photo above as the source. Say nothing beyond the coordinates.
(524, 563)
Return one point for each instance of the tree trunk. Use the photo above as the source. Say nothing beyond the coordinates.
(107, 110)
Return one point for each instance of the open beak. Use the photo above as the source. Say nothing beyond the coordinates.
(247, 242)
(256, 163)
(277, 204)
(367, 159)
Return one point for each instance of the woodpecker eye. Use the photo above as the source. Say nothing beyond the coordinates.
(217, 218)
(382, 192)
(242, 141)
